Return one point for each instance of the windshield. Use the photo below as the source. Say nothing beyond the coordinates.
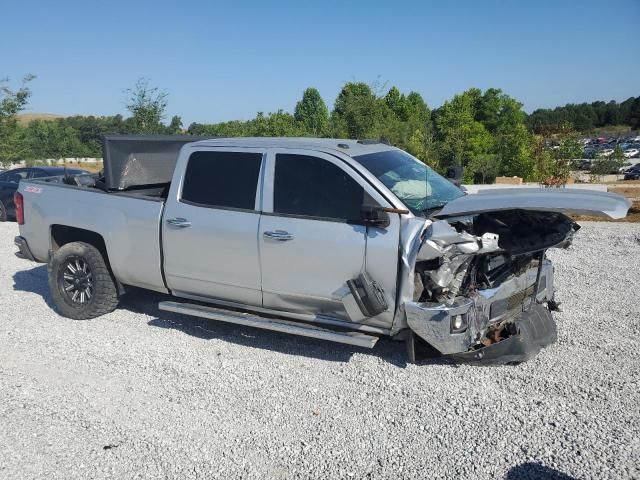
(419, 187)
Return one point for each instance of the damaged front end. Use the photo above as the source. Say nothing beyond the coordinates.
(482, 287)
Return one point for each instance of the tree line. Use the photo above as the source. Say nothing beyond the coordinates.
(487, 132)
(584, 117)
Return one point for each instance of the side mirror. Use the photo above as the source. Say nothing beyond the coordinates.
(455, 172)
(374, 216)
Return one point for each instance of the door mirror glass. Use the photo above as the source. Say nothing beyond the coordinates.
(374, 216)
(454, 172)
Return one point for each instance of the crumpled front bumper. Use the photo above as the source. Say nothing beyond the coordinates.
(536, 330)
(511, 302)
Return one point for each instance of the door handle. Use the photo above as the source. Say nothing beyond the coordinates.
(179, 222)
(279, 235)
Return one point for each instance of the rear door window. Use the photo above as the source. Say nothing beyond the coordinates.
(310, 186)
(222, 179)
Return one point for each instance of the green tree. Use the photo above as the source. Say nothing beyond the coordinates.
(147, 106)
(558, 164)
(541, 155)
(604, 165)
(485, 167)
(417, 110)
(312, 113)
(356, 112)
(278, 124)
(512, 143)
(51, 139)
(584, 117)
(488, 107)
(11, 103)
(421, 145)
(175, 126)
(397, 103)
(461, 137)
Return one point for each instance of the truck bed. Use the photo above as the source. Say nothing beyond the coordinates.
(127, 221)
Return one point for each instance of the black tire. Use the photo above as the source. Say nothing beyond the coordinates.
(91, 291)
(3, 212)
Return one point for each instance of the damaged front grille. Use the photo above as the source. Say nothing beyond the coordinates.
(504, 305)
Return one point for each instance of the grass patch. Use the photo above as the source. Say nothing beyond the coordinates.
(90, 167)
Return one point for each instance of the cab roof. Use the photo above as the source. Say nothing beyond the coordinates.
(348, 147)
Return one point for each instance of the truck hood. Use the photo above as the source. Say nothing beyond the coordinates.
(564, 200)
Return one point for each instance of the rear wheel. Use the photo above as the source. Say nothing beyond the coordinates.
(3, 212)
(80, 282)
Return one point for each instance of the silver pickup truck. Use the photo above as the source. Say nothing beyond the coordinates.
(341, 240)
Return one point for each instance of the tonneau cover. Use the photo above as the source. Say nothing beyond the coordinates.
(137, 160)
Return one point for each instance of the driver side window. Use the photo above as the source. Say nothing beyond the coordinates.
(309, 186)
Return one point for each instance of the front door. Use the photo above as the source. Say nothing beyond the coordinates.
(210, 226)
(311, 238)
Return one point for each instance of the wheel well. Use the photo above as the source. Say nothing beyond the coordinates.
(63, 234)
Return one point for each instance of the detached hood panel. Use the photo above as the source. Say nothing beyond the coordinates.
(564, 200)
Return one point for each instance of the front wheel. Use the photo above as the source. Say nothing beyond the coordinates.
(80, 282)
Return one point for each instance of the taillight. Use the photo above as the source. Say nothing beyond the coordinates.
(18, 202)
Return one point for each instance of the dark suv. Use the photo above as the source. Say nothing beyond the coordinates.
(10, 179)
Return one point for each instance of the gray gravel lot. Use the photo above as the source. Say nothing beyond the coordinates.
(146, 394)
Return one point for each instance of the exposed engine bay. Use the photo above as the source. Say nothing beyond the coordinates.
(470, 253)
(476, 275)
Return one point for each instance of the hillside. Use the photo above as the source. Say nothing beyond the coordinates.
(25, 118)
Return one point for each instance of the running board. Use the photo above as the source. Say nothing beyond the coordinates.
(278, 325)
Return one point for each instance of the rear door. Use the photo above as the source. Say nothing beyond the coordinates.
(312, 239)
(210, 225)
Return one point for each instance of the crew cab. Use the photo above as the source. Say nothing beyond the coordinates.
(342, 240)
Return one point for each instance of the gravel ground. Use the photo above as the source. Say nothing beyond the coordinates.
(146, 394)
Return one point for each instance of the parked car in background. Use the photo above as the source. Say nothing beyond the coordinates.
(633, 173)
(628, 165)
(10, 179)
(631, 153)
(605, 152)
(583, 164)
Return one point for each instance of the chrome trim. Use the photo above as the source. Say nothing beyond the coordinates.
(179, 222)
(279, 235)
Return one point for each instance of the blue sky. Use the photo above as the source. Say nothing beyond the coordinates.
(229, 59)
